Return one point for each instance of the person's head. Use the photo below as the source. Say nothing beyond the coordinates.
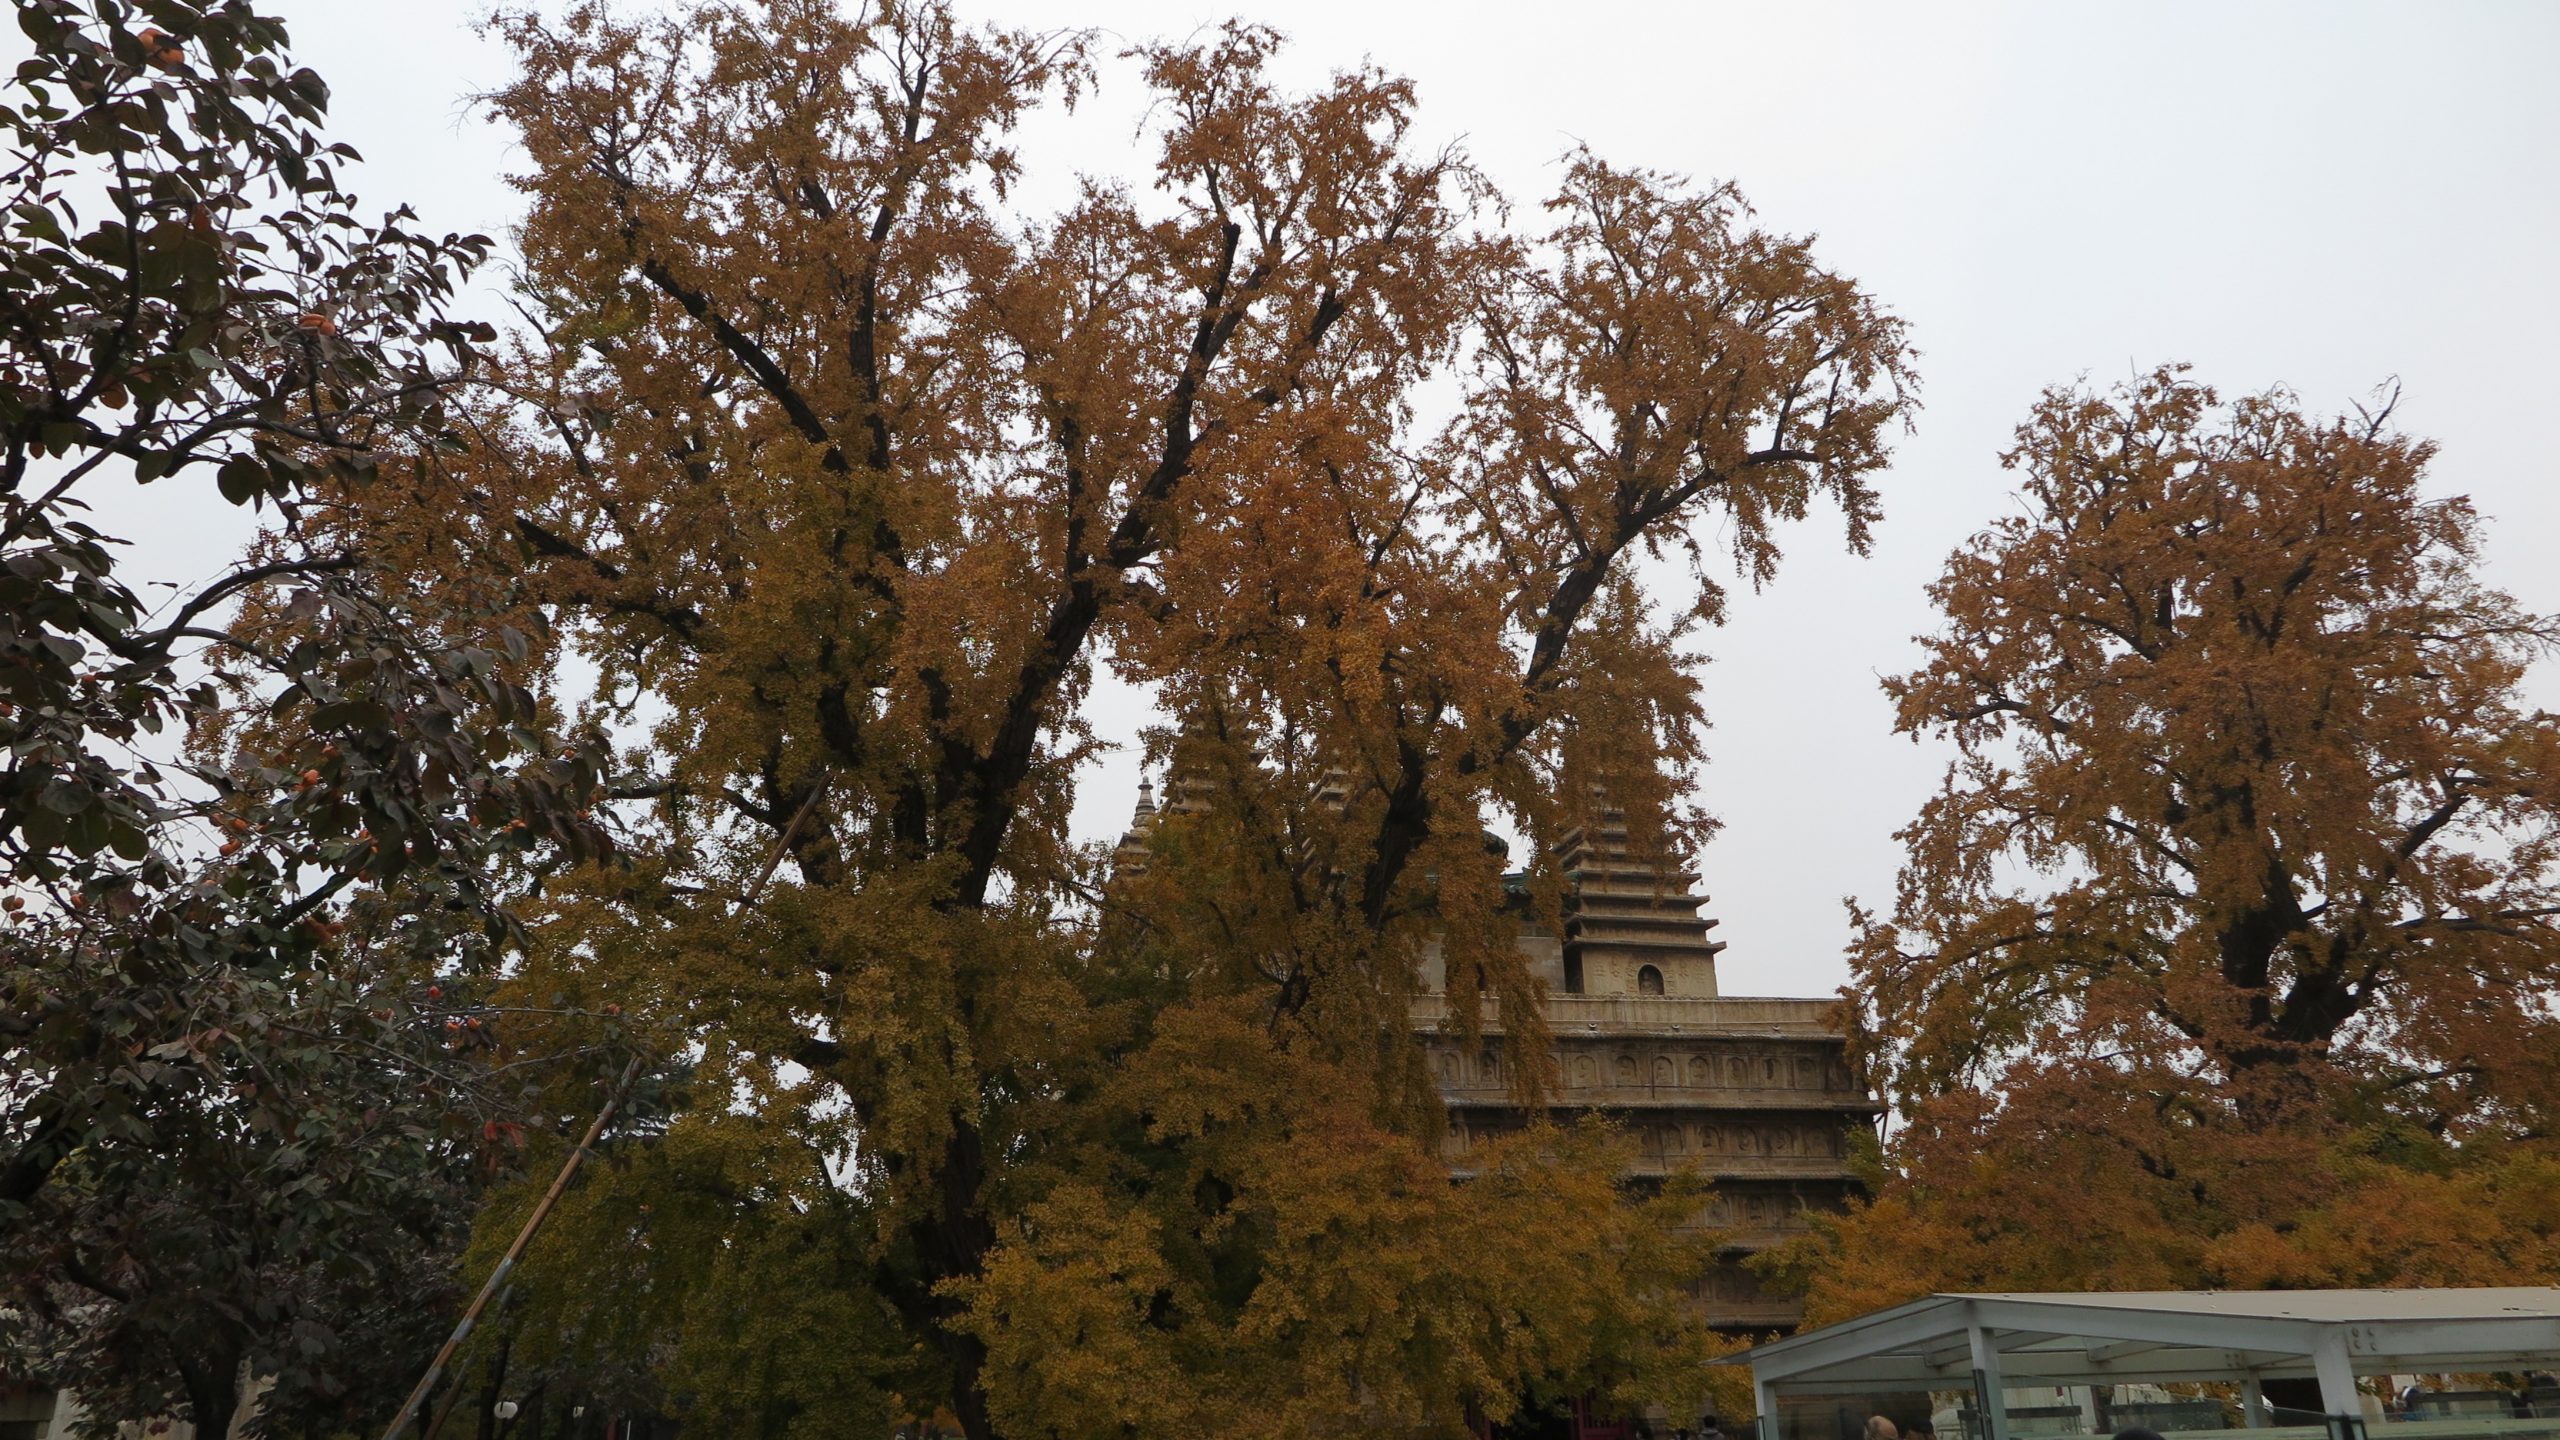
(1707, 1423)
(2137, 1432)
(1879, 1428)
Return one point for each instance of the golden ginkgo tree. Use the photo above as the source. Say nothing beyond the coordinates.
(2226, 952)
(834, 472)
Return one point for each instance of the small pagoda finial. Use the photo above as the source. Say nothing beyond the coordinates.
(1129, 857)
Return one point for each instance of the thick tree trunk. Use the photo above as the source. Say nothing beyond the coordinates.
(965, 1236)
(213, 1393)
(969, 1402)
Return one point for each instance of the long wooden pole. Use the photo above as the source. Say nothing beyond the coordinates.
(782, 843)
(453, 1392)
(498, 1277)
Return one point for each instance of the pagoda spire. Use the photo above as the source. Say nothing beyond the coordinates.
(1632, 925)
(1129, 857)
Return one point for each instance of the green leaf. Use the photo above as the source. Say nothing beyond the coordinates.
(351, 715)
(67, 797)
(241, 479)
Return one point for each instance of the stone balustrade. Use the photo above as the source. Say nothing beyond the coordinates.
(1740, 1016)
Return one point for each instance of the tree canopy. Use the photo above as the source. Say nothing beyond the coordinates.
(249, 829)
(828, 475)
(2231, 932)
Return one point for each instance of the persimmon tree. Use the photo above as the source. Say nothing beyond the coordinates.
(248, 820)
(832, 474)
(2235, 915)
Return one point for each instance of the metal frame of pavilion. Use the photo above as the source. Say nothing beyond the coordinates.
(1987, 1342)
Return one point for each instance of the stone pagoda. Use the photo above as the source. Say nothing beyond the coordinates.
(1755, 1093)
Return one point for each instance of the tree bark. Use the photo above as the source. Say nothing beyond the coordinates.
(488, 1418)
(213, 1393)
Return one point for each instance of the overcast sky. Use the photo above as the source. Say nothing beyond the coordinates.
(2319, 195)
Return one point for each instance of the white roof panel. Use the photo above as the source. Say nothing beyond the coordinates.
(2150, 1335)
(2344, 1306)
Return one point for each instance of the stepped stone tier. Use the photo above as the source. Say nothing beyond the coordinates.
(1755, 1093)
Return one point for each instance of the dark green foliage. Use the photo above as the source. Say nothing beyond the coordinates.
(241, 1122)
